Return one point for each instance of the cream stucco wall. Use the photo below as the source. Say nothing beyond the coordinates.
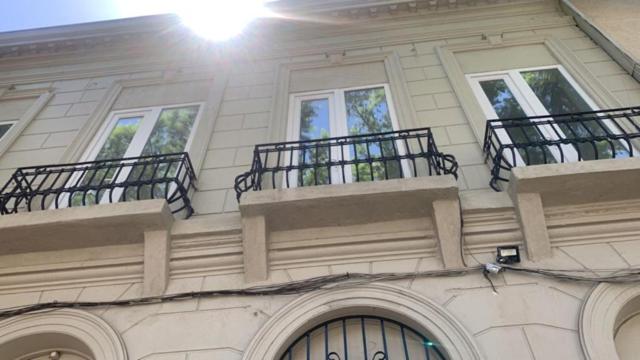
(617, 19)
(530, 317)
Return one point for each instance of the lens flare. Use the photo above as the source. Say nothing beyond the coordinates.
(216, 20)
(219, 20)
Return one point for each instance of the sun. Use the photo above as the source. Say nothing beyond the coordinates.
(220, 20)
(216, 20)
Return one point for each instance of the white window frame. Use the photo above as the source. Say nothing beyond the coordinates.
(532, 106)
(337, 126)
(149, 117)
(8, 122)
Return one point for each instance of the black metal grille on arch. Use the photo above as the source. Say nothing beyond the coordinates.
(339, 160)
(536, 140)
(168, 176)
(363, 337)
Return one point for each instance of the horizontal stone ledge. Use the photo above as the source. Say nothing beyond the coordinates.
(86, 226)
(345, 204)
(579, 182)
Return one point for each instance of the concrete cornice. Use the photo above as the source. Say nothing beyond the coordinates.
(143, 31)
(70, 38)
(373, 8)
(145, 24)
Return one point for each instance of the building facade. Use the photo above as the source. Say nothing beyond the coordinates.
(388, 180)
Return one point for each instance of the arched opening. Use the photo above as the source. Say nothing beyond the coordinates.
(363, 337)
(314, 326)
(42, 345)
(59, 335)
(610, 322)
(627, 330)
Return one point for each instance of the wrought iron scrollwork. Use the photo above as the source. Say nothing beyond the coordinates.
(380, 355)
(168, 176)
(358, 337)
(339, 160)
(560, 138)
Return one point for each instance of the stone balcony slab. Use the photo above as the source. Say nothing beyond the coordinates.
(315, 207)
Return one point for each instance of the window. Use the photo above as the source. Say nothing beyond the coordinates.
(137, 133)
(363, 337)
(5, 126)
(339, 113)
(544, 91)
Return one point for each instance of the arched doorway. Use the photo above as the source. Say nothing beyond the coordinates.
(363, 337)
(379, 306)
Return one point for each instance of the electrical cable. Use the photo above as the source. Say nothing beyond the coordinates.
(327, 282)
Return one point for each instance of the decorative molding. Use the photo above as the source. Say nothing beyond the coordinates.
(602, 313)
(593, 223)
(203, 132)
(380, 299)
(93, 332)
(43, 96)
(397, 83)
(426, 28)
(351, 9)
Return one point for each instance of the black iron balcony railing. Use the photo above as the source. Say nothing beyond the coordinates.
(168, 176)
(346, 159)
(593, 135)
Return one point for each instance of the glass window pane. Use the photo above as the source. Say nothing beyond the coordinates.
(4, 128)
(559, 97)
(120, 138)
(368, 113)
(171, 132)
(114, 147)
(169, 135)
(506, 106)
(314, 124)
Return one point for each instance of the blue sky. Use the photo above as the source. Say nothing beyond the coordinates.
(28, 14)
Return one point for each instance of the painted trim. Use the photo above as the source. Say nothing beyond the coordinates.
(149, 117)
(397, 91)
(387, 300)
(532, 105)
(577, 70)
(337, 125)
(42, 99)
(202, 130)
(103, 341)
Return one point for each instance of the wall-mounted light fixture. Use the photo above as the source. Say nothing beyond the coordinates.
(508, 255)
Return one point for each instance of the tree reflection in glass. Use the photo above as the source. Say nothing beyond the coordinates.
(559, 97)
(506, 106)
(368, 113)
(314, 124)
(169, 135)
(114, 147)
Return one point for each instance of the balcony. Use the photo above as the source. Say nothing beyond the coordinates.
(564, 138)
(340, 185)
(170, 177)
(343, 160)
